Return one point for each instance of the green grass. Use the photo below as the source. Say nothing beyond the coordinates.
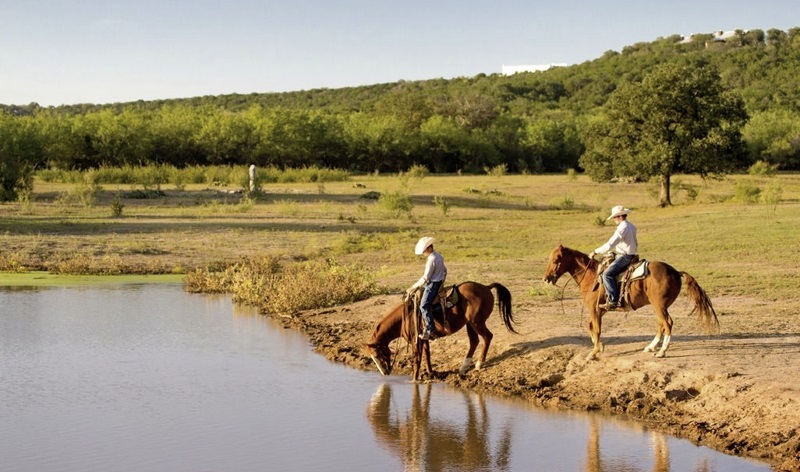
(46, 279)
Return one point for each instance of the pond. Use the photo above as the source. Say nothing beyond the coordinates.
(148, 377)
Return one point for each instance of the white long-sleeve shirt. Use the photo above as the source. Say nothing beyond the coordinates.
(435, 270)
(623, 241)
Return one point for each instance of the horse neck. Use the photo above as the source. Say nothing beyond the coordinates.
(583, 272)
(389, 328)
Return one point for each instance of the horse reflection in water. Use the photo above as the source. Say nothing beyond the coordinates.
(425, 443)
(595, 462)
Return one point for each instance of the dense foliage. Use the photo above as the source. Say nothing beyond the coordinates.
(677, 120)
(527, 122)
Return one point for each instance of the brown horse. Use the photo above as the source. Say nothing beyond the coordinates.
(659, 289)
(475, 304)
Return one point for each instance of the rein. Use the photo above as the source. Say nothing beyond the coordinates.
(578, 283)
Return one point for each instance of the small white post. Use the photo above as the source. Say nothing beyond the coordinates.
(252, 178)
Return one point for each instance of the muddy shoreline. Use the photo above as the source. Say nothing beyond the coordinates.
(736, 392)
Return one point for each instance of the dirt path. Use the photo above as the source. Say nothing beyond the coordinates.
(737, 392)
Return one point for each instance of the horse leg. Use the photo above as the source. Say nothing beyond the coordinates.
(664, 332)
(473, 344)
(417, 360)
(426, 346)
(595, 324)
(487, 336)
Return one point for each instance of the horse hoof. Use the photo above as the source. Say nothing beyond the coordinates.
(478, 365)
(591, 357)
(660, 354)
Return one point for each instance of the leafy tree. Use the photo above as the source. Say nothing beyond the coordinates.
(20, 152)
(774, 137)
(679, 119)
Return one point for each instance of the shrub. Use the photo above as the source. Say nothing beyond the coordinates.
(263, 282)
(418, 171)
(497, 171)
(762, 168)
(746, 192)
(772, 195)
(396, 203)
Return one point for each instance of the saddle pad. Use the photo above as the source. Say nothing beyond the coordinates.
(641, 270)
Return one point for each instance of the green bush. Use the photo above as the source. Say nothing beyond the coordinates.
(762, 168)
(396, 203)
(746, 192)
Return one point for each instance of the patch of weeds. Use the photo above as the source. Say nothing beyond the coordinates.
(762, 168)
(572, 174)
(418, 171)
(117, 206)
(772, 195)
(496, 171)
(396, 203)
(442, 204)
(565, 203)
(746, 192)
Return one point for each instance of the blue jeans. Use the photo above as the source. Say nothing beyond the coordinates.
(426, 304)
(616, 267)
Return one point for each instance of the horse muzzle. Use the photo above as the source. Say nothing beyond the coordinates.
(382, 370)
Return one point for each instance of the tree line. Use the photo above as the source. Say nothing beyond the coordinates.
(529, 122)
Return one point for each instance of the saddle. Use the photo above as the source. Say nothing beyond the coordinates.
(446, 298)
(636, 270)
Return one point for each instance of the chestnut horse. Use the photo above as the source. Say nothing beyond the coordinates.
(475, 304)
(660, 289)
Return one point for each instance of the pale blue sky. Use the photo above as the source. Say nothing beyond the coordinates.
(56, 52)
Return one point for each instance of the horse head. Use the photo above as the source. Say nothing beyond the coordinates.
(555, 265)
(381, 355)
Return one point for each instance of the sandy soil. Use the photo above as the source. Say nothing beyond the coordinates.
(737, 392)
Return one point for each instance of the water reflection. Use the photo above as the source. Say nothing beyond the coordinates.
(424, 442)
(429, 429)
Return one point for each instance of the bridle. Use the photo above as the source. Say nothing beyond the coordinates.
(564, 288)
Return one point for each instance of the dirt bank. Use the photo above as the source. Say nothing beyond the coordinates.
(736, 392)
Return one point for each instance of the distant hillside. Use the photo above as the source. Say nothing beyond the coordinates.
(763, 66)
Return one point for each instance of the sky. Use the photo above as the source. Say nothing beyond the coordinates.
(64, 52)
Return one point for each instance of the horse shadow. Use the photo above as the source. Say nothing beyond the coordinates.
(685, 345)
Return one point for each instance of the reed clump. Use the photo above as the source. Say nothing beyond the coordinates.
(277, 288)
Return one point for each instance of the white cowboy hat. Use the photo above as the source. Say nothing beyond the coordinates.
(423, 244)
(618, 210)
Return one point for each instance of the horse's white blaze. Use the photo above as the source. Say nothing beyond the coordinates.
(377, 365)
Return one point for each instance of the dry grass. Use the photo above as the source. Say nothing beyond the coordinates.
(498, 227)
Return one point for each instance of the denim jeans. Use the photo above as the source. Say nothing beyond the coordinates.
(619, 265)
(426, 304)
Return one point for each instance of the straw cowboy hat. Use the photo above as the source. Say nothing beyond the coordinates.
(423, 244)
(618, 210)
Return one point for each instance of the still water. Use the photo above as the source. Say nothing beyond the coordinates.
(150, 378)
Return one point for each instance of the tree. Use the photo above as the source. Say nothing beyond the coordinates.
(679, 119)
(20, 153)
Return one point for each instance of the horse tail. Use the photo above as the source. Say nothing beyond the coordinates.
(702, 304)
(504, 304)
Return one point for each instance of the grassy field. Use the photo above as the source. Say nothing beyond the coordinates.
(737, 236)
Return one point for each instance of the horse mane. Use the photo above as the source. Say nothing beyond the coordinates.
(583, 260)
(390, 327)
